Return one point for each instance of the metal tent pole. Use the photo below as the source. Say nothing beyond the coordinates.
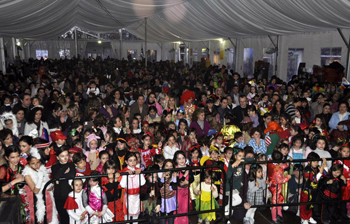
(146, 42)
(2, 56)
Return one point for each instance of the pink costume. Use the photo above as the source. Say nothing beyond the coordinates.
(182, 201)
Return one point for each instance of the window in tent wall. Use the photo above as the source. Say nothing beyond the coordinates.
(195, 54)
(42, 54)
(216, 57)
(64, 53)
(330, 54)
(204, 53)
(295, 57)
(269, 58)
(248, 61)
(133, 53)
(231, 59)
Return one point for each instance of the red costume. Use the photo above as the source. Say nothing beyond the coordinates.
(147, 155)
(276, 178)
(346, 173)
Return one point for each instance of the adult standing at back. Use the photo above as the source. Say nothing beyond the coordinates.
(240, 111)
(25, 103)
(291, 108)
(139, 107)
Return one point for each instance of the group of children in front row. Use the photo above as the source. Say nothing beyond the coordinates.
(123, 197)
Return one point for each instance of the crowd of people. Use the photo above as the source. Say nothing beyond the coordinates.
(81, 117)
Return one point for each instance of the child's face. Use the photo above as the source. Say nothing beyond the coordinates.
(181, 160)
(104, 158)
(262, 158)
(145, 128)
(135, 124)
(259, 174)
(293, 132)
(229, 154)
(239, 156)
(296, 173)
(297, 144)
(219, 140)
(63, 157)
(132, 161)
(110, 170)
(168, 118)
(240, 139)
(336, 173)
(85, 135)
(120, 145)
(214, 155)
(139, 118)
(297, 114)
(171, 141)
(81, 164)
(195, 154)
(147, 141)
(284, 151)
(78, 185)
(168, 165)
(321, 144)
(314, 164)
(345, 152)
(192, 136)
(160, 164)
(93, 144)
(208, 181)
(182, 126)
(9, 124)
(180, 116)
(172, 127)
(153, 178)
(35, 163)
(118, 123)
(92, 183)
(24, 147)
(318, 122)
(60, 142)
(8, 140)
(283, 121)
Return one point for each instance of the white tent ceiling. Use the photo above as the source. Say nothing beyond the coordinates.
(172, 20)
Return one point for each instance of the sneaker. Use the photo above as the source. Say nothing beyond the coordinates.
(304, 221)
(285, 208)
(313, 221)
(298, 213)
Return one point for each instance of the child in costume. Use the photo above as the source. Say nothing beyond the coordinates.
(112, 190)
(9, 121)
(25, 145)
(256, 188)
(184, 179)
(150, 192)
(120, 151)
(62, 169)
(187, 105)
(93, 152)
(167, 186)
(330, 188)
(74, 203)
(312, 174)
(234, 179)
(104, 157)
(131, 185)
(95, 202)
(219, 143)
(36, 176)
(208, 192)
(344, 152)
(276, 179)
(196, 154)
(147, 150)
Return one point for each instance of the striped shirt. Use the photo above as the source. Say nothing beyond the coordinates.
(258, 148)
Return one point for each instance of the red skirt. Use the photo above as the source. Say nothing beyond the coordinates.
(345, 191)
(116, 208)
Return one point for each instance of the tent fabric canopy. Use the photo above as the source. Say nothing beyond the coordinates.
(172, 20)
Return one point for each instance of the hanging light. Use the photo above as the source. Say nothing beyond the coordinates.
(18, 43)
(99, 41)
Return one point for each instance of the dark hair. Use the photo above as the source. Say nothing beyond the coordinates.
(59, 150)
(252, 171)
(251, 108)
(319, 116)
(296, 138)
(183, 121)
(203, 140)
(193, 130)
(15, 110)
(77, 157)
(11, 149)
(238, 135)
(94, 173)
(128, 155)
(336, 167)
(208, 174)
(110, 164)
(199, 152)
(177, 153)
(248, 150)
(4, 133)
(276, 155)
(104, 152)
(31, 115)
(152, 108)
(168, 161)
(255, 130)
(26, 139)
(313, 156)
(318, 137)
(158, 158)
(297, 129)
